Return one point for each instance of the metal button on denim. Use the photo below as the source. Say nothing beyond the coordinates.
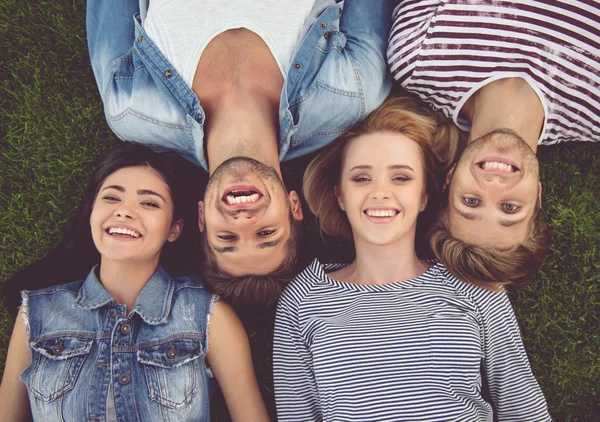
(168, 73)
(172, 353)
(124, 379)
(297, 65)
(57, 349)
(125, 329)
(323, 26)
(140, 38)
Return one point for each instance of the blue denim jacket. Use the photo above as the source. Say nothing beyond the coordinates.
(81, 341)
(337, 77)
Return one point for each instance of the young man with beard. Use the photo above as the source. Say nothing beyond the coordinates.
(516, 74)
(236, 87)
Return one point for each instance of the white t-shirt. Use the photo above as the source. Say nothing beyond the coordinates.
(182, 29)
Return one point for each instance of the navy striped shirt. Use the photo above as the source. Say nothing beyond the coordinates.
(414, 350)
(443, 51)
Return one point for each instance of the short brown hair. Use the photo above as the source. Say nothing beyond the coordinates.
(253, 289)
(490, 267)
(438, 139)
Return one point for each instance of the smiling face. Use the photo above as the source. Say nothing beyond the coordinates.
(132, 216)
(245, 217)
(382, 187)
(494, 191)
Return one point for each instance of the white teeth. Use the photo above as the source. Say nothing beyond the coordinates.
(232, 200)
(495, 165)
(120, 230)
(381, 213)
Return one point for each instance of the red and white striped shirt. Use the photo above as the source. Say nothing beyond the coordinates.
(445, 50)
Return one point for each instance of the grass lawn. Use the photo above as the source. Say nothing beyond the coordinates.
(52, 129)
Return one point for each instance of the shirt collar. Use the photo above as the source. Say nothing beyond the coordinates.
(152, 305)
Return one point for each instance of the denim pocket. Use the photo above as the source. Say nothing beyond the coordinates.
(171, 370)
(57, 362)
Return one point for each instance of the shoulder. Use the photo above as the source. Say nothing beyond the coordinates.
(303, 285)
(192, 287)
(486, 300)
(67, 289)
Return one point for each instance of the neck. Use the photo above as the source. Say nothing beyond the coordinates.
(385, 264)
(508, 103)
(125, 280)
(242, 123)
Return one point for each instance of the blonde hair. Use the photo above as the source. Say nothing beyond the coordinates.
(438, 139)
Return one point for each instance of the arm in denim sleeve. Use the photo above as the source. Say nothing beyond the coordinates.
(110, 34)
(295, 387)
(516, 395)
(366, 25)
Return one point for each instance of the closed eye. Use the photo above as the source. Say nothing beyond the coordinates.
(150, 204)
(110, 198)
(361, 179)
(401, 179)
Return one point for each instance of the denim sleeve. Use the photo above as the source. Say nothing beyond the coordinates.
(366, 25)
(515, 392)
(110, 35)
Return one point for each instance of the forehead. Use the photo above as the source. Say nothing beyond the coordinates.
(141, 176)
(381, 148)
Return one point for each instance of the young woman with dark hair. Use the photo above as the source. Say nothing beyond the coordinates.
(129, 342)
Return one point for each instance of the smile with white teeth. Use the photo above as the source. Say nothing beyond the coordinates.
(233, 199)
(119, 230)
(381, 213)
(491, 165)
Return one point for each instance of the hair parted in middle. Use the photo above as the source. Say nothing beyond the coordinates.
(438, 139)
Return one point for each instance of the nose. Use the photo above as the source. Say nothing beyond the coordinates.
(124, 211)
(497, 179)
(243, 218)
(380, 190)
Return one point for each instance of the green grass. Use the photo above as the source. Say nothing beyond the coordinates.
(52, 129)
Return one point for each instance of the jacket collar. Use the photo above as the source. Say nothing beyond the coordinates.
(152, 305)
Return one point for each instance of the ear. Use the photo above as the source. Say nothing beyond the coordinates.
(339, 196)
(296, 206)
(201, 223)
(540, 194)
(424, 199)
(175, 231)
(449, 178)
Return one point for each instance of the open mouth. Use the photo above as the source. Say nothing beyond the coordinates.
(381, 214)
(498, 166)
(241, 195)
(122, 232)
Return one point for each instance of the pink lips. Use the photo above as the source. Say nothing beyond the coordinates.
(495, 159)
(244, 205)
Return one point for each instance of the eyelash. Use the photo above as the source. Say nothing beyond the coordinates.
(227, 237)
(517, 208)
(265, 233)
(363, 179)
(478, 202)
(150, 204)
(472, 205)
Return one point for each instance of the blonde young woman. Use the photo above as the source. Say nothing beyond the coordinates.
(391, 336)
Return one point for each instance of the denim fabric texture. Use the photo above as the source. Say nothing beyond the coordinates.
(337, 77)
(81, 341)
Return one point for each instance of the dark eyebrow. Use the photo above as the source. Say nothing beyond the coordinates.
(149, 192)
(225, 249)
(467, 215)
(139, 192)
(392, 167)
(270, 244)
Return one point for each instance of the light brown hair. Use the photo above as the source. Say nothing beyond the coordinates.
(438, 140)
(490, 267)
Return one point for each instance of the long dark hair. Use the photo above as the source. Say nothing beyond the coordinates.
(77, 254)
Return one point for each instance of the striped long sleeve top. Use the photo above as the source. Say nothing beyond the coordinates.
(426, 349)
(443, 51)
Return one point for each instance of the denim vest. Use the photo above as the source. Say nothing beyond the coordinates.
(82, 343)
(337, 76)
